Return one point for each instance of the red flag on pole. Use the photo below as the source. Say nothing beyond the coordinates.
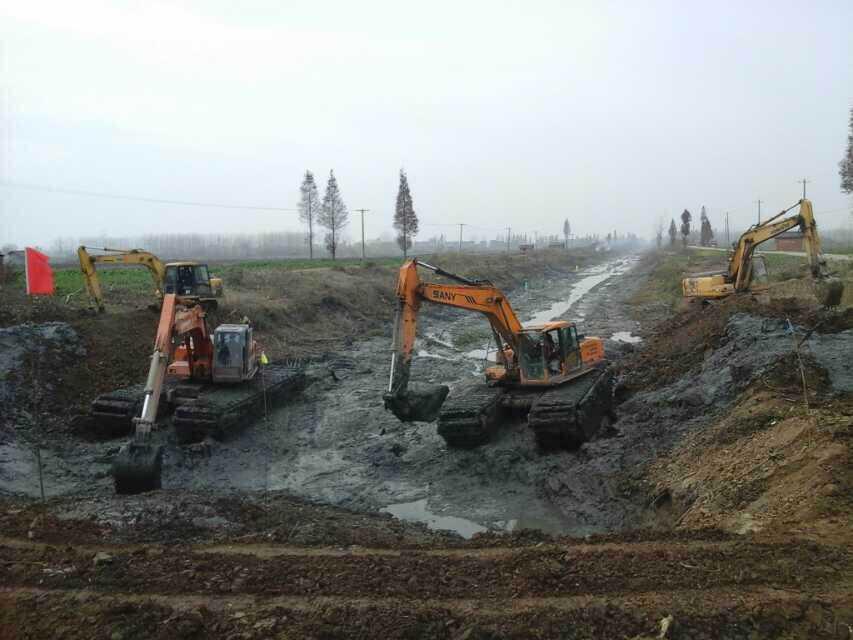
(39, 274)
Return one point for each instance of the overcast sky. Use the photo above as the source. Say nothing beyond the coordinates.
(502, 113)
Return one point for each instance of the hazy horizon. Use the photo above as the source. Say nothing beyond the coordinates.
(608, 114)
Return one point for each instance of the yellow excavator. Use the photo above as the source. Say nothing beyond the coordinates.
(187, 279)
(747, 273)
(558, 378)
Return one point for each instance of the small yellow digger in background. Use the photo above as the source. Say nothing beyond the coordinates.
(186, 279)
(748, 273)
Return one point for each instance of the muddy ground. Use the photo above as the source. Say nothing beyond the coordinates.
(718, 498)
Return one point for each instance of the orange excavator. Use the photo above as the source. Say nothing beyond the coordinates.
(185, 351)
(559, 379)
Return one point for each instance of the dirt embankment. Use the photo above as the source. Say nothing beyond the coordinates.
(773, 452)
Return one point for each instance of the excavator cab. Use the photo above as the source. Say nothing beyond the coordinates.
(187, 279)
(234, 358)
(550, 354)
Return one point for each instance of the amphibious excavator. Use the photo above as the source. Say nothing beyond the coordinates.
(747, 272)
(558, 378)
(208, 380)
(187, 279)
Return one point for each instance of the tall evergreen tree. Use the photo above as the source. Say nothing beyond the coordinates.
(567, 231)
(685, 226)
(673, 232)
(405, 218)
(333, 214)
(706, 234)
(309, 205)
(845, 167)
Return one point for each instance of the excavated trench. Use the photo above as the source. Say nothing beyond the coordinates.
(336, 444)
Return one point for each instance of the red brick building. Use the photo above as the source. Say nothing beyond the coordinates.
(789, 241)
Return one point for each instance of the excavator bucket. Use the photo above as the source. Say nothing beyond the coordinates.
(137, 468)
(829, 291)
(417, 403)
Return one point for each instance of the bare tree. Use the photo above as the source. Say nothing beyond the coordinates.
(673, 232)
(659, 232)
(309, 203)
(333, 214)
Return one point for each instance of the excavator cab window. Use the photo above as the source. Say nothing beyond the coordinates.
(202, 280)
(554, 351)
(229, 354)
(533, 357)
(569, 348)
(759, 271)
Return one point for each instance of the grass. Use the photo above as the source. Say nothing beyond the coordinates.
(69, 280)
(664, 285)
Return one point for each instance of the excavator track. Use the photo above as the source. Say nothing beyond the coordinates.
(112, 413)
(218, 410)
(567, 416)
(470, 414)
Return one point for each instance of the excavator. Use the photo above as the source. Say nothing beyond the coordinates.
(209, 379)
(188, 279)
(559, 379)
(747, 273)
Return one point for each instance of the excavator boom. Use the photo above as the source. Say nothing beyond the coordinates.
(117, 256)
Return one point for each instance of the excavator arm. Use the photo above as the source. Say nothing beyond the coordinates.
(159, 364)
(117, 256)
(479, 296)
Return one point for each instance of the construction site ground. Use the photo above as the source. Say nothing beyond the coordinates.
(718, 504)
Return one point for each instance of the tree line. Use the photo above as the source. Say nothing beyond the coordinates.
(332, 215)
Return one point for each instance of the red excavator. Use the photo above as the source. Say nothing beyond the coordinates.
(184, 350)
(559, 379)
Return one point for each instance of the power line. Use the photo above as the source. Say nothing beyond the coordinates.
(115, 196)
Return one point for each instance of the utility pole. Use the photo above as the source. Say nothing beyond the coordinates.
(461, 224)
(508, 231)
(362, 212)
(759, 211)
(728, 240)
(805, 182)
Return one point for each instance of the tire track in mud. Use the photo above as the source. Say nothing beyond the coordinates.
(522, 572)
(750, 589)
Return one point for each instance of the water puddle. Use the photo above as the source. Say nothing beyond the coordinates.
(625, 336)
(595, 276)
(417, 511)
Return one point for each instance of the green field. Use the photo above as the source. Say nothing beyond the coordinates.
(135, 279)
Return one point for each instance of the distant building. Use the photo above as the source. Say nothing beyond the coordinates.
(789, 241)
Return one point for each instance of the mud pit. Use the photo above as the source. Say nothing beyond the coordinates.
(338, 445)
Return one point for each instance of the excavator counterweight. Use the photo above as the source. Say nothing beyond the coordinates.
(560, 379)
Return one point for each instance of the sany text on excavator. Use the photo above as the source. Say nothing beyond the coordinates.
(185, 350)
(559, 379)
(187, 279)
(748, 273)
